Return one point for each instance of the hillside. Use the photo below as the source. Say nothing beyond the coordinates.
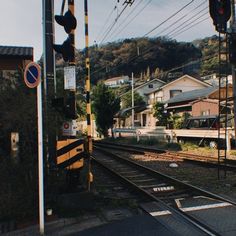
(148, 56)
(209, 48)
(139, 55)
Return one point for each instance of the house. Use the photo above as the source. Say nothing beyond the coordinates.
(214, 80)
(146, 87)
(117, 81)
(14, 59)
(158, 91)
(205, 107)
(166, 92)
(175, 87)
(184, 101)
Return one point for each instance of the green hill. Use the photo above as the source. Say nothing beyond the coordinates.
(148, 56)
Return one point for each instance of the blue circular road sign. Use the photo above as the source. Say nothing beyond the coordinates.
(32, 75)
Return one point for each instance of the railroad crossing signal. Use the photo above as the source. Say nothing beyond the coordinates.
(220, 12)
(70, 153)
(68, 21)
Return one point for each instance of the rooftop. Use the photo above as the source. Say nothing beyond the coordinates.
(13, 51)
(192, 95)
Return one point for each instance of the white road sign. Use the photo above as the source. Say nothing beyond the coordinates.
(69, 78)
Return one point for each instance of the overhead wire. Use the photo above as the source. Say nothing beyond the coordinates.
(170, 17)
(113, 24)
(189, 22)
(128, 18)
(179, 32)
(182, 17)
(105, 23)
(197, 23)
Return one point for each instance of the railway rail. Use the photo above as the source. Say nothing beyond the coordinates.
(228, 164)
(186, 209)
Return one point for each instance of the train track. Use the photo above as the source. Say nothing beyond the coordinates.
(160, 153)
(174, 202)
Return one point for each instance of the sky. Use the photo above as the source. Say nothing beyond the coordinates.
(109, 20)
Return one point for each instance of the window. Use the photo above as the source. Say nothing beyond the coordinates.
(205, 113)
(150, 86)
(158, 99)
(174, 93)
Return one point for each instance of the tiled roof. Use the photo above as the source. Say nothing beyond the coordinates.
(12, 51)
(192, 95)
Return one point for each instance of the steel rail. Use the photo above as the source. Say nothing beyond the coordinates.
(137, 188)
(193, 158)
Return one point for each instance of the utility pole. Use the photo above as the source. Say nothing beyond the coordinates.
(132, 100)
(88, 99)
(49, 78)
(233, 32)
(72, 93)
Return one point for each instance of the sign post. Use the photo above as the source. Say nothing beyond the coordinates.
(32, 76)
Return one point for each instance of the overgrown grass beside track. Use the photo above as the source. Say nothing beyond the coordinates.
(156, 143)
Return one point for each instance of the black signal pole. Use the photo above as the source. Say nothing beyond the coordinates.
(49, 78)
(72, 93)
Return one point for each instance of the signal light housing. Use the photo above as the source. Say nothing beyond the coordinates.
(70, 107)
(66, 106)
(220, 12)
(66, 49)
(68, 21)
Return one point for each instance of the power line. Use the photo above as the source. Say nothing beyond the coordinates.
(115, 21)
(149, 49)
(128, 18)
(105, 23)
(197, 23)
(182, 17)
(191, 22)
(163, 22)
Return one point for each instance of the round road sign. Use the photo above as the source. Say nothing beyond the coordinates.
(32, 75)
(66, 125)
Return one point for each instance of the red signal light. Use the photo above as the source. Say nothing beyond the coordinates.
(221, 11)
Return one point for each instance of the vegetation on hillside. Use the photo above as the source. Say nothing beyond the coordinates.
(139, 55)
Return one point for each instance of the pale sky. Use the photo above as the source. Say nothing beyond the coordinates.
(21, 21)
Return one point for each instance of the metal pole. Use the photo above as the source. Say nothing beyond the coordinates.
(233, 30)
(132, 100)
(40, 159)
(88, 106)
(49, 80)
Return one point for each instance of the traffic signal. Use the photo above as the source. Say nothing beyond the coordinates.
(67, 49)
(66, 106)
(70, 109)
(220, 12)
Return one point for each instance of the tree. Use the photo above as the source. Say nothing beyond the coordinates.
(160, 113)
(105, 105)
(127, 100)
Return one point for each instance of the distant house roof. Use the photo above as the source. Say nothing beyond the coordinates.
(174, 81)
(149, 82)
(143, 84)
(16, 52)
(117, 78)
(123, 112)
(192, 95)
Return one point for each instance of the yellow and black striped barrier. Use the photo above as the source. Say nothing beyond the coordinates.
(70, 154)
